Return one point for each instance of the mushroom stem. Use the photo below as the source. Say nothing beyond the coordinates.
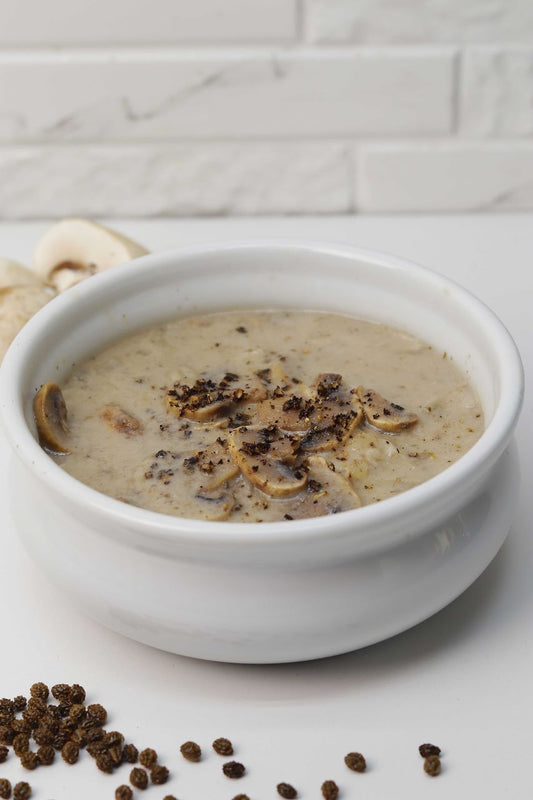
(50, 413)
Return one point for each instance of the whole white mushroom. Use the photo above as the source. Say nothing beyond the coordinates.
(17, 305)
(14, 274)
(74, 249)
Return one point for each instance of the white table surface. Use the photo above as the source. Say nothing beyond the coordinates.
(463, 679)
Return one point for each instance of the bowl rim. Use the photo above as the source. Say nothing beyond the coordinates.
(372, 522)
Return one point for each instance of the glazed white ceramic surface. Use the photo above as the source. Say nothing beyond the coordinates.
(279, 591)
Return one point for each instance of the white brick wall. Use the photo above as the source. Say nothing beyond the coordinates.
(196, 94)
(126, 22)
(446, 176)
(419, 21)
(186, 179)
(497, 92)
(109, 107)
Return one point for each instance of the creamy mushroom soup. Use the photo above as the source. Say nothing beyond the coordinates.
(260, 416)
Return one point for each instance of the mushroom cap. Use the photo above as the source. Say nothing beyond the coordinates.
(384, 414)
(75, 248)
(336, 414)
(326, 414)
(332, 423)
(267, 459)
(17, 305)
(285, 412)
(14, 274)
(214, 465)
(210, 399)
(50, 414)
(203, 401)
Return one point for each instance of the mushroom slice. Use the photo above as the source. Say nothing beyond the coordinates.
(328, 492)
(14, 274)
(335, 414)
(50, 414)
(204, 401)
(289, 412)
(120, 421)
(17, 305)
(252, 390)
(383, 414)
(202, 413)
(214, 506)
(268, 459)
(332, 424)
(214, 464)
(74, 249)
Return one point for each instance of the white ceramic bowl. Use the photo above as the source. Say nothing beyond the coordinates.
(277, 591)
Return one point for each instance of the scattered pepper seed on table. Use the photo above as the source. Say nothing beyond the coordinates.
(223, 746)
(46, 754)
(21, 726)
(432, 766)
(148, 757)
(79, 737)
(113, 738)
(29, 760)
(330, 790)
(60, 739)
(139, 778)
(77, 693)
(355, 762)
(77, 713)
(70, 752)
(130, 753)
(104, 763)
(21, 743)
(95, 735)
(61, 692)
(40, 690)
(191, 751)
(427, 749)
(287, 791)
(36, 708)
(159, 774)
(97, 713)
(22, 791)
(6, 735)
(233, 769)
(70, 725)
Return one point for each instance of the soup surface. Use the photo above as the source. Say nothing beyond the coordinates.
(254, 416)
